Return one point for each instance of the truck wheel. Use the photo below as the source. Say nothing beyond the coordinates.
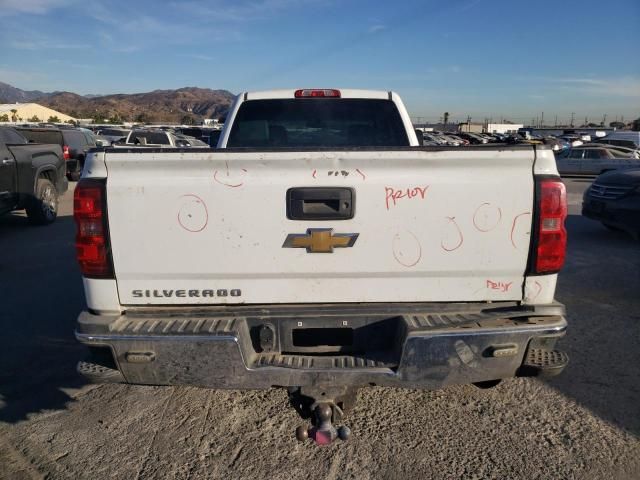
(43, 209)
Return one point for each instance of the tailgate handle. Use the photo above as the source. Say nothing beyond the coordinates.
(320, 203)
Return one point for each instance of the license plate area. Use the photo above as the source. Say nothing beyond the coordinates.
(332, 336)
(322, 337)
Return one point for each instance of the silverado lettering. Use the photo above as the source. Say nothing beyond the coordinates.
(235, 292)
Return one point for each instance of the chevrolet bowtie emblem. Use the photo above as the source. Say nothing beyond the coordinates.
(320, 240)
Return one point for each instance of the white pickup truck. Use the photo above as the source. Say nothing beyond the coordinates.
(322, 249)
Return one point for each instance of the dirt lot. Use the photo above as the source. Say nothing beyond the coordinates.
(584, 424)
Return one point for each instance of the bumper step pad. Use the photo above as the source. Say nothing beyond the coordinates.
(543, 363)
(96, 373)
(321, 362)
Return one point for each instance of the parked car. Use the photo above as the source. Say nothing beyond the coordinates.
(614, 200)
(585, 160)
(573, 140)
(32, 176)
(95, 139)
(436, 139)
(75, 144)
(456, 141)
(113, 134)
(499, 137)
(557, 144)
(153, 137)
(615, 150)
(159, 138)
(472, 138)
(487, 136)
(187, 141)
(208, 135)
(622, 139)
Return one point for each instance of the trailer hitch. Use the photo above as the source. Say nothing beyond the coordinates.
(324, 407)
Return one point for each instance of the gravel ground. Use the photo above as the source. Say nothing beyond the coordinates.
(584, 424)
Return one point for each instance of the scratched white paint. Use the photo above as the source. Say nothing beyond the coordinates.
(94, 165)
(487, 217)
(540, 289)
(241, 246)
(193, 215)
(451, 234)
(545, 162)
(406, 248)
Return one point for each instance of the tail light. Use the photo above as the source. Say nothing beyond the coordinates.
(65, 152)
(92, 240)
(550, 243)
(325, 92)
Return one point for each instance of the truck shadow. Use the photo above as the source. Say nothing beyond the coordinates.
(599, 286)
(41, 297)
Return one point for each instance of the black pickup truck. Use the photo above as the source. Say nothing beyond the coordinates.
(32, 176)
(75, 144)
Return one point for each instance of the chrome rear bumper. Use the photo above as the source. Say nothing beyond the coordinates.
(416, 346)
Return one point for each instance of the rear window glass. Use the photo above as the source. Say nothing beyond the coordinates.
(114, 132)
(11, 136)
(620, 153)
(74, 138)
(623, 143)
(152, 138)
(318, 123)
(43, 136)
(90, 139)
(595, 153)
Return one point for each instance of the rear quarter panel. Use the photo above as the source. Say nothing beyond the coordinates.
(33, 160)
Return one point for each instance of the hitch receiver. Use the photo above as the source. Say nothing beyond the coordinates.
(324, 407)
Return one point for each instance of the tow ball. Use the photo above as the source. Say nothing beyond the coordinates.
(323, 413)
(323, 432)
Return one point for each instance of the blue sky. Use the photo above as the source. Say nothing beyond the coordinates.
(468, 57)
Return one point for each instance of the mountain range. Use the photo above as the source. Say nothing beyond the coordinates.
(184, 105)
(10, 94)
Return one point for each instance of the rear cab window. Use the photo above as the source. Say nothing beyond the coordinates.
(43, 136)
(318, 122)
(74, 139)
(11, 137)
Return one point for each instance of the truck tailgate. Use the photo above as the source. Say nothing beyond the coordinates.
(211, 227)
